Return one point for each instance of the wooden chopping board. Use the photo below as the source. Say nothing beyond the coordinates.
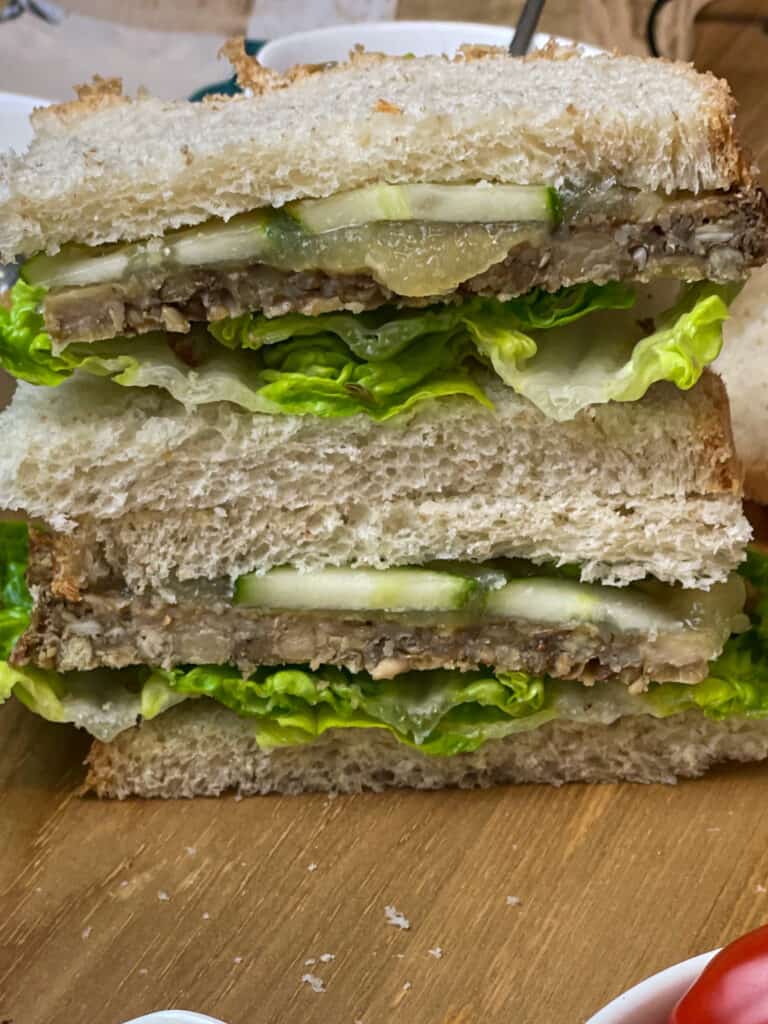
(114, 909)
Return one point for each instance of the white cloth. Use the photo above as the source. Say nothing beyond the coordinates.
(271, 18)
(45, 60)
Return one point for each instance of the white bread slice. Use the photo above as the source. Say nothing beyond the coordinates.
(743, 365)
(198, 749)
(105, 168)
(647, 487)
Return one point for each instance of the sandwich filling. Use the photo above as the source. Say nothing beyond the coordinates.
(439, 712)
(563, 351)
(509, 614)
(401, 244)
(374, 300)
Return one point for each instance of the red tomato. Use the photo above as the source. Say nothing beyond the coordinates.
(733, 988)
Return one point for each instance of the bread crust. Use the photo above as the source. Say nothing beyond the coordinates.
(98, 94)
(717, 439)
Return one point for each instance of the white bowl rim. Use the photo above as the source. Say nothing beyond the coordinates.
(384, 29)
(391, 26)
(669, 984)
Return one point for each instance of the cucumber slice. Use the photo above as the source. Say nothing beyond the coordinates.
(243, 238)
(348, 209)
(467, 204)
(76, 265)
(557, 602)
(390, 590)
(240, 239)
(483, 204)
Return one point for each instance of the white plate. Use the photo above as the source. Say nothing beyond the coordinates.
(15, 129)
(393, 37)
(174, 1017)
(652, 1000)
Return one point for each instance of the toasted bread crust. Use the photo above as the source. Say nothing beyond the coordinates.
(98, 94)
(717, 439)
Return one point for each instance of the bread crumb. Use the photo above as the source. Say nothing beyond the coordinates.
(206, 916)
(86, 932)
(385, 107)
(124, 884)
(312, 866)
(514, 901)
(394, 917)
(310, 962)
(406, 986)
(437, 952)
(190, 850)
(163, 896)
(237, 960)
(143, 970)
(238, 797)
(399, 956)
(315, 983)
(760, 889)
(325, 958)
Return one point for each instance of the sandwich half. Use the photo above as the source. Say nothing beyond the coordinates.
(366, 434)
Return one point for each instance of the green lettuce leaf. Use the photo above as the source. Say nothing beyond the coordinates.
(441, 712)
(104, 702)
(610, 357)
(15, 598)
(381, 334)
(317, 375)
(737, 684)
(25, 347)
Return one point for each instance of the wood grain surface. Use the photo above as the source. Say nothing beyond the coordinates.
(111, 910)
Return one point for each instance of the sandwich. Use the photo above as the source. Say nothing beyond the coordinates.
(365, 431)
(743, 365)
